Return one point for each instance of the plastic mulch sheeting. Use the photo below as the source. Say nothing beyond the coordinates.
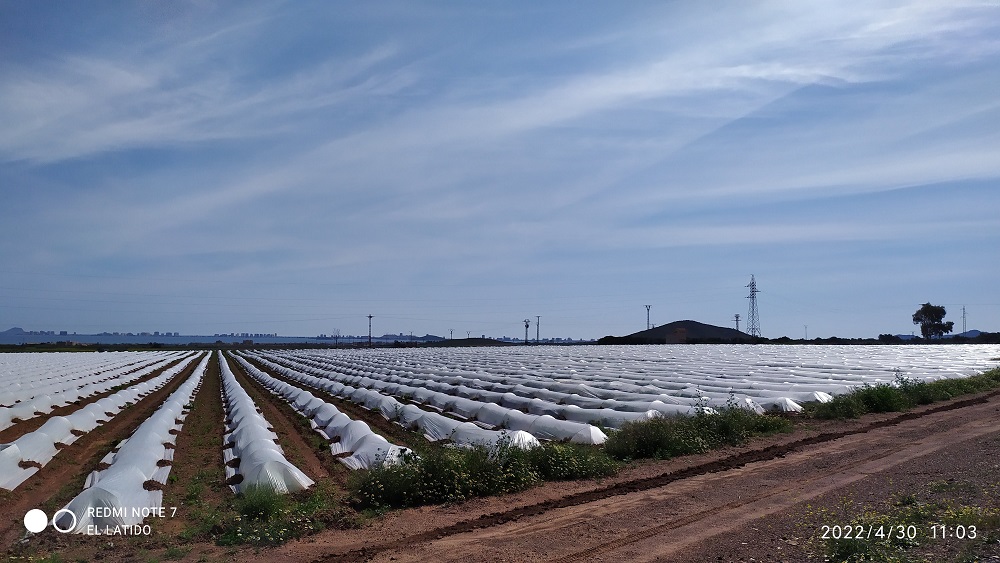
(250, 440)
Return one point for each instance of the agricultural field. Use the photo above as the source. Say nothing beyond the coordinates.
(369, 454)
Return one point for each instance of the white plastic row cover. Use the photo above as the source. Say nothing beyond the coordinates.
(541, 426)
(434, 426)
(39, 446)
(350, 436)
(249, 440)
(33, 402)
(135, 461)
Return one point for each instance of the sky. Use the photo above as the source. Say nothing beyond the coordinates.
(458, 167)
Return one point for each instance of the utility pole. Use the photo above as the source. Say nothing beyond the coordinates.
(369, 331)
(736, 318)
(963, 320)
(647, 316)
(526, 323)
(753, 323)
(538, 323)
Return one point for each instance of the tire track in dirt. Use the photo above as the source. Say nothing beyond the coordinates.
(677, 535)
(730, 463)
(64, 475)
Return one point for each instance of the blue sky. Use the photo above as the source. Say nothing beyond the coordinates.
(292, 167)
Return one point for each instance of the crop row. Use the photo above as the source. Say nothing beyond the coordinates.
(127, 485)
(23, 457)
(26, 399)
(250, 451)
(347, 436)
(434, 425)
(605, 380)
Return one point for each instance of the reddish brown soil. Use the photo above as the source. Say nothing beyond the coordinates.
(197, 477)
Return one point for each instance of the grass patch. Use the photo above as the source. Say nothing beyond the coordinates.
(203, 516)
(260, 516)
(902, 394)
(952, 485)
(446, 474)
(671, 436)
(260, 503)
(174, 553)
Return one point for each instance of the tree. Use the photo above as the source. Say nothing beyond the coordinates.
(930, 318)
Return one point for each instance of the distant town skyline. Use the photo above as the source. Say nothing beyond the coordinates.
(292, 167)
(16, 335)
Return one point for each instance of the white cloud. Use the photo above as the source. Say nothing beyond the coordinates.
(86, 105)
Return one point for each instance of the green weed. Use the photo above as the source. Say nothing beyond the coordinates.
(671, 436)
(903, 394)
(262, 517)
(449, 474)
(259, 502)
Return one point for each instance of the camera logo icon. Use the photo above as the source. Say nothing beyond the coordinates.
(35, 520)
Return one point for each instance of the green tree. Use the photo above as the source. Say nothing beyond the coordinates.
(931, 321)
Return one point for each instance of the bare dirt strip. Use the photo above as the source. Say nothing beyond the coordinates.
(197, 482)
(738, 504)
(63, 477)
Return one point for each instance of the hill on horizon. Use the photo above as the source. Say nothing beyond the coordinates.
(679, 332)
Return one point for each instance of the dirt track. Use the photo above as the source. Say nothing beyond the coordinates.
(745, 504)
